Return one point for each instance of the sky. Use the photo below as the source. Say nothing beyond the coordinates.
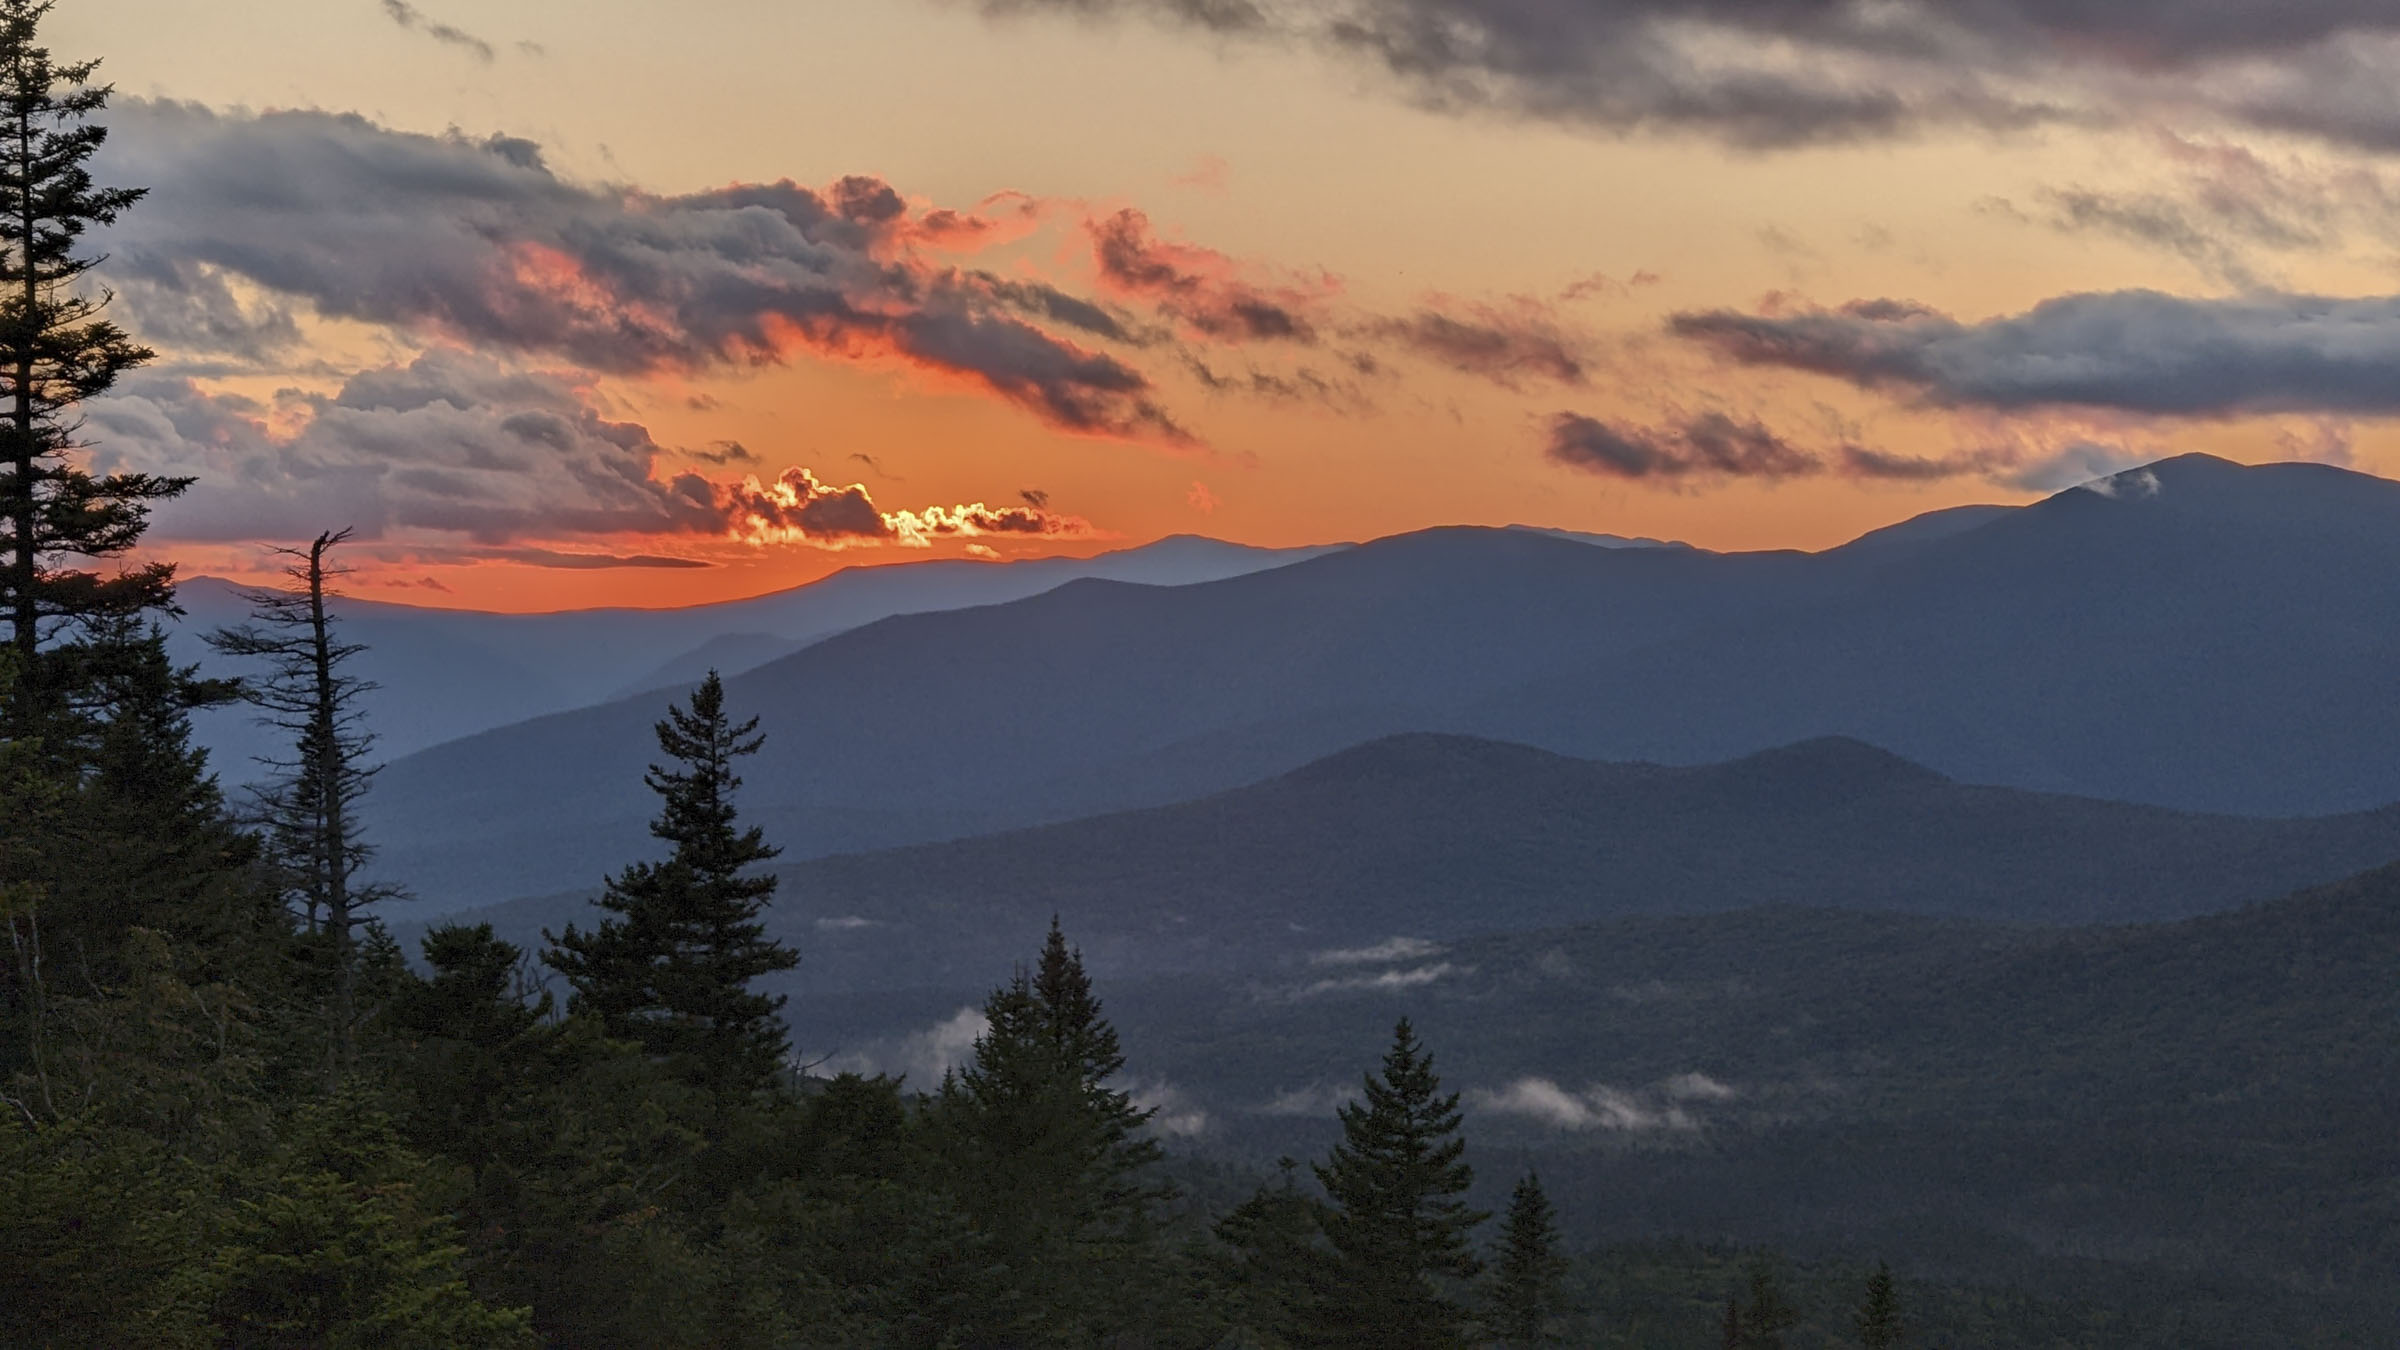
(559, 305)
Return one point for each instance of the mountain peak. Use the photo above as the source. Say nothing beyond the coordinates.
(1837, 764)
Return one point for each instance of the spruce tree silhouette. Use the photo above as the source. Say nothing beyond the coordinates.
(56, 351)
(671, 969)
(1398, 1228)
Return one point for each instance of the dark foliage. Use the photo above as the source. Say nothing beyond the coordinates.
(1395, 1220)
(56, 351)
(671, 968)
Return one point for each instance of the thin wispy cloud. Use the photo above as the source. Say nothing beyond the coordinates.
(408, 16)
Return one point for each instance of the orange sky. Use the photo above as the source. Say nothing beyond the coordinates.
(1269, 169)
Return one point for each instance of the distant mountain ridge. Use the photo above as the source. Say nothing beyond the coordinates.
(443, 673)
(1441, 837)
(2172, 636)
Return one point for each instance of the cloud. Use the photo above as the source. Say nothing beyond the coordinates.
(1211, 297)
(448, 442)
(1505, 344)
(2134, 483)
(1211, 174)
(1173, 1112)
(1317, 1099)
(923, 1057)
(410, 17)
(1709, 445)
(2073, 465)
(1382, 953)
(2134, 351)
(799, 508)
(2224, 204)
(1665, 1106)
(459, 444)
(1715, 447)
(478, 242)
(1768, 76)
(1385, 981)
(1600, 285)
(1199, 287)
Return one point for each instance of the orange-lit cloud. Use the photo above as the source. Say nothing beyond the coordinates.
(799, 508)
(1201, 288)
(480, 243)
(457, 447)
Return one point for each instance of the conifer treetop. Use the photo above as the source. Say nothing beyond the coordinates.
(57, 350)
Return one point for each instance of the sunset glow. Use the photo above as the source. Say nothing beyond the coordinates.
(602, 309)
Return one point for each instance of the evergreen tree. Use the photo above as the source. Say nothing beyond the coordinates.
(1878, 1318)
(474, 1040)
(1767, 1316)
(338, 1249)
(148, 843)
(672, 969)
(310, 809)
(1525, 1294)
(1398, 1228)
(1046, 1156)
(55, 352)
(1269, 1273)
(1730, 1331)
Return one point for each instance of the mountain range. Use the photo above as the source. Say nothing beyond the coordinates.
(442, 673)
(2196, 634)
(1431, 838)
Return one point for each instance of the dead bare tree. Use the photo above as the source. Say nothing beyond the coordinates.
(308, 808)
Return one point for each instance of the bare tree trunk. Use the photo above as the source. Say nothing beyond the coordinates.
(334, 842)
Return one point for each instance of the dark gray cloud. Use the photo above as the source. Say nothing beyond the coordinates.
(1715, 447)
(1768, 73)
(1299, 385)
(1711, 445)
(410, 17)
(480, 242)
(1043, 301)
(1507, 345)
(450, 442)
(2136, 351)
